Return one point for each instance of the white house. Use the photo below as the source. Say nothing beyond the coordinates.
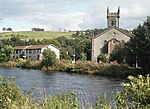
(34, 52)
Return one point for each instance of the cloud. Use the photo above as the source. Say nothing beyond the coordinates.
(133, 12)
(71, 14)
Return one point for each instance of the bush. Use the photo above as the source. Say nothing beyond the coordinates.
(28, 64)
(105, 69)
(102, 58)
(135, 94)
(11, 96)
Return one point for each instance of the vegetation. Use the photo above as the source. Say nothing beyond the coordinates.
(6, 53)
(138, 46)
(135, 95)
(136, 52)
(102, 58)
(49, 58)
(26, 35)
(119, 54)
(105, 69)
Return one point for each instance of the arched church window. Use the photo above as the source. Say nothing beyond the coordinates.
(113, 23)
(114, 41)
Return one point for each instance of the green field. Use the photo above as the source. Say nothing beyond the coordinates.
(35, 35)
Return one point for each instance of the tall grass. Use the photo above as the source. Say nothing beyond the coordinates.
(135, 95)
(81, 67)
(104, 69)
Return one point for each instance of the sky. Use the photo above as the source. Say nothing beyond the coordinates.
(53, 15)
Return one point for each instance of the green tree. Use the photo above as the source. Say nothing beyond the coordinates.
(102, 58)
(49, 57)
(119, 53)
(6, 53)
(138, 47)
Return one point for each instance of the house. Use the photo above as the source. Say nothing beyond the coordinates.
(106, 41)
(34, 52)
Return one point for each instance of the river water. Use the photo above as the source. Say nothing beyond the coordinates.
(87, 87)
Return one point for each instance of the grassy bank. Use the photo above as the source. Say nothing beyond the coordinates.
(81, 67)
(35, 35)
(135, 95)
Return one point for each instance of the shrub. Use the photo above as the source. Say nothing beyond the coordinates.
(102, 58)
(11, 96)
(135, 94)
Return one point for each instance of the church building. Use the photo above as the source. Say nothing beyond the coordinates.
(106, 41)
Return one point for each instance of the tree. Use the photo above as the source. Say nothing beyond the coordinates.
(49, 57)
(102, 58)
(4, 29)
(119, 53)
(6, 53)
(138, 47)
(9, 29)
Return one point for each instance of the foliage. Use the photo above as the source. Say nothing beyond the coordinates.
(119, 54)
(37, 29)
(49, 58)
(58, 66)
(102, 58)
(138, 47)
(10, 94)
(105, 69)
(135, 94)
(63, 101)
(6, 53)
(11, 97)
(102, 103)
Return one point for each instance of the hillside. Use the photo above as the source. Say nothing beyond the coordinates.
(35, 35)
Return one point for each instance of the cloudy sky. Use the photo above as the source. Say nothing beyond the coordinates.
(22, 15)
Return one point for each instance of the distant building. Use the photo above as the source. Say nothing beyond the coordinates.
(106, 41)
(34, 52)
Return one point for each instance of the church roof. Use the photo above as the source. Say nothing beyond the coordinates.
(127, 33)
(113, 39)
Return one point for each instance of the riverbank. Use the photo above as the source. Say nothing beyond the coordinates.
(135, 94)
(81, 67)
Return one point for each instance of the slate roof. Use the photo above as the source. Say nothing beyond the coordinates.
(127, 33)
(32, 47)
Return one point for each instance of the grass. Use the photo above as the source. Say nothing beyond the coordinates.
(35, 35)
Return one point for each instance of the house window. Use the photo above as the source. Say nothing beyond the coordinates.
(16, 51)
(30, 51)
(38, 51)
(17, 57)
(26, 51)
(34, 51)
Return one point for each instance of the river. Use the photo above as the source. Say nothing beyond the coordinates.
(87, 87)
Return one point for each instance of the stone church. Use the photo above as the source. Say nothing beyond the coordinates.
(106, 41)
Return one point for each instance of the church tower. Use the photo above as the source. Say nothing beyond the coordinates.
(113, 18)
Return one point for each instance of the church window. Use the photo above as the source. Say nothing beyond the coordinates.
(113, 23)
